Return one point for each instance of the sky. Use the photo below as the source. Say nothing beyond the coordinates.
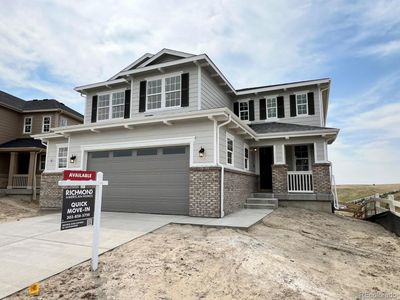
(49, 47)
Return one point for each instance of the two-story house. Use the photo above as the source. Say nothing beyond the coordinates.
(173, 136)
(22, 158)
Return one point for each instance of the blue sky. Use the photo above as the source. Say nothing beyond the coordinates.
(49, 47)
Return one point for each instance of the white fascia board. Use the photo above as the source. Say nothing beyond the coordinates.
(322, 132)
(147, 55)
(283, 86)
(99, 84)
(162, 52)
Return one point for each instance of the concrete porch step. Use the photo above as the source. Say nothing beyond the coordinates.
(260, 206)
(262, 195)
(262, 201)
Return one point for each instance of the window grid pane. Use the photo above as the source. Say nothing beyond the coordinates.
(301, 157)
(28, 125)
(154, 94)
(271, 108)
(244, 110)
(46, 124)
(229, 151)
(103, 107)
(62, 157)
(301, 104)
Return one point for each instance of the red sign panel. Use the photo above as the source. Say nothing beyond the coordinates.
(79, 175)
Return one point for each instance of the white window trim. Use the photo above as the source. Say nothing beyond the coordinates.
(231, 137)
(57, 157)
(43, 124)
(245, 146)
(40, 161)
(248, 110)
(110, 118)
(163, 98)
(294, 157)
(266, 107)
(23, 129)
(297, 105)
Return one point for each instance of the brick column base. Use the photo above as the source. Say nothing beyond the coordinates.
(279, 179)
(205, 192)
(50, 192)
(321, 177)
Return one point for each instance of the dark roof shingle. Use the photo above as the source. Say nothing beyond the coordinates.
(276, 127)
(23, 143)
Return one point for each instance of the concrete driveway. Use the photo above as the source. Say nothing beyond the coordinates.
(33, 249)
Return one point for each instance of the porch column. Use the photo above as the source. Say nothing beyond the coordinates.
(322, 178)
(31, 170)
(279, 170)
(11, 170)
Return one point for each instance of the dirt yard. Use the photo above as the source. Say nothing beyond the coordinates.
(14, 209)
(350, 192)
(292, 254)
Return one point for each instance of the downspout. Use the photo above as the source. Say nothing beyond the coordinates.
(221, 165)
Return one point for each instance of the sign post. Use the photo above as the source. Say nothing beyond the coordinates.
(78, 207)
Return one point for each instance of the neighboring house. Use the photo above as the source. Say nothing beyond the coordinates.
(21, 156)
(173, 136)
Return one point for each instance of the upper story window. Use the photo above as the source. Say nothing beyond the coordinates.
(111, 106)
(46, 124)
(28, 125)
(164, 93)
(301, 158)
(229, 149)
(301, 104)
(63, 122)
(272, 111)
(246, 157)
(62, 156)
(244, 110)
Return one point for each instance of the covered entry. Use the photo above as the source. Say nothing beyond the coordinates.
(148, 180)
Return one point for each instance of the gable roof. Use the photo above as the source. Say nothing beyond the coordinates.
(23, 106)
(164, 52)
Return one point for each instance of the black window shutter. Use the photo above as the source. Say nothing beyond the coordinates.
(127, 109)
(236, 108)
(185, 90)
(281, 107)
(142, 96)
(311, 108)
(94, 109)
(293, 105)
(251, 110)
(263, 109)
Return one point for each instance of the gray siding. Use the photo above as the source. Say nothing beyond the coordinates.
(212, 95)
(313, 120)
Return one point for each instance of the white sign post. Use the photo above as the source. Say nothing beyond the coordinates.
(98, 183)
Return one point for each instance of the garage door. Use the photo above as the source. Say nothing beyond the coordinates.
(150, 180)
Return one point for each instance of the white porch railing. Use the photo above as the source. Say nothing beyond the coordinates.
(300, 182)
(20, 181)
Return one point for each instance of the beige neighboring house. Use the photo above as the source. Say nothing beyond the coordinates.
(22, 158)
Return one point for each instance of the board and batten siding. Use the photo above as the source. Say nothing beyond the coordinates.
(212, 95)
(201, 130)
(193, 93)
(313, 120)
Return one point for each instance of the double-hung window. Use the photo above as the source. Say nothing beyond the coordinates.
(272, 111)
(301, 104)
(301, 158)
(111, 106)
(164, 93)
(42, 162)
(246, 157)
(46, 124)
(62, 156)
(28, 125)
(229, 149)
(244, 110)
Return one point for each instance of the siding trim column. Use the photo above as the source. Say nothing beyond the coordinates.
(11, 170)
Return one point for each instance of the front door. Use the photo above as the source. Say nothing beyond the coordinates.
(266, 161)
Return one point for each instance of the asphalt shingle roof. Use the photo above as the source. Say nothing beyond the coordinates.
(22, 105)
(274, 85)
(275, 127)
(23, 143)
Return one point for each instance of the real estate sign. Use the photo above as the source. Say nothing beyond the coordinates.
(77, 207)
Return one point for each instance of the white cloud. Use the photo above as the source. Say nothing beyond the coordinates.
(383, 49)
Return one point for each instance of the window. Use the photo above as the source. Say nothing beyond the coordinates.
(122, 153)
(271, 108)
(148, 151)
(42, 162)
(301, 104)
(164, 92)
(100, 154)
(63, 122)
(46, 124)
(301, 158)
(246, 157)
(174, 150)
(28, 125)
(111, 106)
(244, 110)
(62, 157)
(229, 149)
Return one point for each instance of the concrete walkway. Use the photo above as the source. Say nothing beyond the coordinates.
(33, 249)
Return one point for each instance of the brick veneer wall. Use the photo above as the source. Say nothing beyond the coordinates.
(50, 192)
(321, 177)
(204, 192)
(279, 179)
(237, 188)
